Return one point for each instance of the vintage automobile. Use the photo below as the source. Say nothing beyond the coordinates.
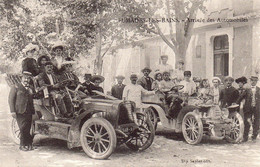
(193, 117)
(99, 124)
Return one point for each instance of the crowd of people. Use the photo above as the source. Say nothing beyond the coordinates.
(50, 76)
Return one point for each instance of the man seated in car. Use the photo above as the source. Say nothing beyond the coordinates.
(67, 74)
(97, 80)
(54, 87)
(167, 83)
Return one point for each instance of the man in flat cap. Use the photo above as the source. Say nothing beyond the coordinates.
(229, 94)
(22, 108)
(133, 91)
(164, 66)
(117, 90)
(146, 81)
(189, 85)
(251, 108)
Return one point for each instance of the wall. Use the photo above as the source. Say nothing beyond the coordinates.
(242, 57)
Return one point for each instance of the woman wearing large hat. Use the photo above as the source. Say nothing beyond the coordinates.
(158, 80)
(29, 63)
(97, 80)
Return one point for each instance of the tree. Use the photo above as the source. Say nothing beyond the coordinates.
(180, 15)
(97, 23)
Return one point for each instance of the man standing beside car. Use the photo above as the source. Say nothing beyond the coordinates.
(21, 106)
(117, 90)
(251, 108)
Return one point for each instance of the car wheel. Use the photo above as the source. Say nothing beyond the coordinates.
(192, 128)
(153, 117)
(142, 138)
(98, 138)
(15, 131)
(237, 128)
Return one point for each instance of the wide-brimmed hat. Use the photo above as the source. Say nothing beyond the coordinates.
(97, 77)
(156, 72)
(254, 78)
(229, 78)
(187, 73)
(120, 77)
(241, 79)
(216, 78)
(30, 47)
(58, 44)
(146, 68)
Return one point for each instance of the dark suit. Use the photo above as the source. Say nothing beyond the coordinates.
(70, 76)
(21, 102)
(146, 82)
(117, 91)
(87, 87)
(250, 111)
(228, 96)
(64, 103)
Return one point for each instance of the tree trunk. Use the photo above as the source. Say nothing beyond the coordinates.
(99, 61)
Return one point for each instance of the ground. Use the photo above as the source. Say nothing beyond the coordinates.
(168, 149)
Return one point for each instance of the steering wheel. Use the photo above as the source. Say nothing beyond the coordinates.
(177, 87)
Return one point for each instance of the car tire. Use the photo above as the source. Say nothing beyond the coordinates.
(153, 117)
(98, 138)
(237, 130)
(192, 128)
(15, 131)
(146, 128)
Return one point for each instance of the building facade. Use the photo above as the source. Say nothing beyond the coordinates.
(226, 44)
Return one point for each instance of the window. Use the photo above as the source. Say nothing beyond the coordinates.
(221, 56)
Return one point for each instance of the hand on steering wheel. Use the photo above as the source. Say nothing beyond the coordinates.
(177, 87)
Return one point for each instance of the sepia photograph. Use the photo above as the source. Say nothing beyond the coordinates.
(129, 83)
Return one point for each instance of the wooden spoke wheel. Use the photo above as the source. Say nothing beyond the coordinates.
(15, 131)
(98, 138)
(142, 138)
(153, 117)
(192, 128)
(237, 128)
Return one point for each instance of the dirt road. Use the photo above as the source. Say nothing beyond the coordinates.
(168, 149)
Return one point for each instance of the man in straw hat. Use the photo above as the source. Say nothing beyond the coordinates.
(229, 94)
(21, 106)
(251, 108)
(146, 81)
(133, 91)
(117, 90)
(29, 63)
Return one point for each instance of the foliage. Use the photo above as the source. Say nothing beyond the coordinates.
(176, 13)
